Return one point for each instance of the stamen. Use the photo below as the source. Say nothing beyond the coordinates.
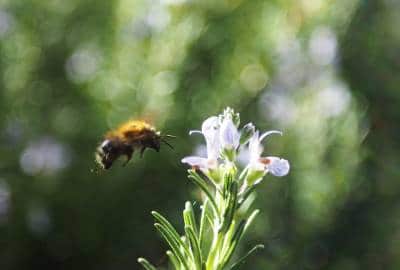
(269, 133)
(195, 132)
(264, 160)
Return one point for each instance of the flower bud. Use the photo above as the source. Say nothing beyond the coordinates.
(229, 139)
(246, 133)
(229, 135)
(230, 113)
(236, 119)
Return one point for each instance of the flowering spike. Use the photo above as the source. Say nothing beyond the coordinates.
(226, 188)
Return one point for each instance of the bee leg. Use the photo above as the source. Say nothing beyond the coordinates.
(142, 151)
(128, 157)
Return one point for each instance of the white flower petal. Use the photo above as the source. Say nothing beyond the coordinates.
(255, 147)
(213, 148)
(278, 166)
(209, 126)
(210, 130)
(229, 134)
(195, 161)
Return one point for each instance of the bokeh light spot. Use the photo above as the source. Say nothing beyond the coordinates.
(253, 77)
(323, 46)
(46, 156)
(82, 65)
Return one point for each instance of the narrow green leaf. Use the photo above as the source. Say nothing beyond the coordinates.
(228, 179)
(171, 230)
(247, 204)
(203, 186)
(246, 194)
(173, 244)
(210, 221)
(206, 179)
(188, 217)
(235, 240)
(242, 176)
(194, 244)
(231, 207)
(228, 237)
(146, 264)
(175, 262)
(242, 228)
(251, 218)
(243, 258)
(203, 222)
(162, 220)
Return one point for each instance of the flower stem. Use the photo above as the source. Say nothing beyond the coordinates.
(212, 261)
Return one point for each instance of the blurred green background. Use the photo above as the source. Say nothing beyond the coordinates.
(326, 73)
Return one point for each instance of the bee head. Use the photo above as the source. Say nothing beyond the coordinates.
(107, 153)
(153, 143)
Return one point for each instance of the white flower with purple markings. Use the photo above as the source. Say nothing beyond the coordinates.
(224, 139)
(258, 166)
(210, 131)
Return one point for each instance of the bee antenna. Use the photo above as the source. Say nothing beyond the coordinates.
(168, 136)
(164, 141)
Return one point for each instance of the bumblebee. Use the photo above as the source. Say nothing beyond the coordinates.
(123, 141)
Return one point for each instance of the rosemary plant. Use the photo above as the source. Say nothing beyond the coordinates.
(209, 242)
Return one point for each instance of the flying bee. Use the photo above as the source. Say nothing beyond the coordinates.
(123, 141)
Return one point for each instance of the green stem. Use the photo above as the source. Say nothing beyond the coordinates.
(212, 260)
